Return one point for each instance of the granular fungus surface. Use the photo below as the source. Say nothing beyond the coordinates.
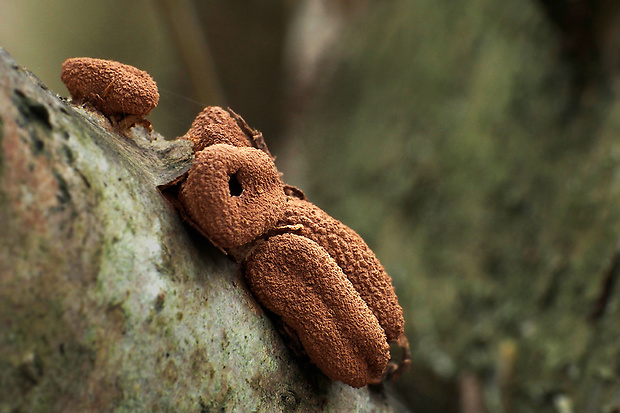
(215, 125)
(297, 279)
(113, 88)
(354, 257)
(233, 194)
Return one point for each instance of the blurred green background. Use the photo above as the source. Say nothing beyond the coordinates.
(474, 146)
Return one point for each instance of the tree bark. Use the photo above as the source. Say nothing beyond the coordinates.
(107, 300)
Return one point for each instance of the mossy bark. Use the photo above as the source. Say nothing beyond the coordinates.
(107, 301)
(475, 146)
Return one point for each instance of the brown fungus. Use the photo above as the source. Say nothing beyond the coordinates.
(232, 194)
(354, 257)
(115, 89)
(297, 279)
(215, 125)
(315, 273)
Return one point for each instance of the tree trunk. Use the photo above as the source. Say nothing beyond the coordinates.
(107, 301)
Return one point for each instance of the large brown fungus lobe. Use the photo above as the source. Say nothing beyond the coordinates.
(113, 88)
(356, 259)
(297, 279)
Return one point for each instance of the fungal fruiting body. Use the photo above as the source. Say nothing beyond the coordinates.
(233, 194)
(117, 90)
(354, 257)
(215, 125)
(297, 279)
(308, 268)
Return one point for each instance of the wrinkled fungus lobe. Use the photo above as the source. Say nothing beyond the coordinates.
(354, 257)
(308, 268)
(113, 88)
(297, 279)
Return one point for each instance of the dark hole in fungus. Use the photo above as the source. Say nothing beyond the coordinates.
(234, 185)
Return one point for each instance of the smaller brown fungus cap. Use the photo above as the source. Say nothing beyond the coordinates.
(113, 88)
(216, 125)
(233, 195)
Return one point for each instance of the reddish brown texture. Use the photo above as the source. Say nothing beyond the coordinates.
(297, 279)
(215, 125)
(113, 88)
(356, 259)
(211, 199)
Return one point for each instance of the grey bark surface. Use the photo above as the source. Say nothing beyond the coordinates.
(107, 300)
